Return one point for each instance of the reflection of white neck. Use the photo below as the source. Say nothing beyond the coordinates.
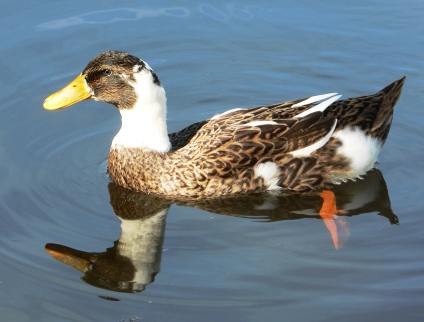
(144, 125)
(141, 241)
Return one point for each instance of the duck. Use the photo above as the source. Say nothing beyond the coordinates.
(302, 145)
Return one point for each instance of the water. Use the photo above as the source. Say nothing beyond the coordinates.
(260, 258)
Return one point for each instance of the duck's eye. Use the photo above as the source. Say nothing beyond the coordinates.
(107, 72)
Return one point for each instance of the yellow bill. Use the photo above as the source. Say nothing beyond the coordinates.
(73, 93)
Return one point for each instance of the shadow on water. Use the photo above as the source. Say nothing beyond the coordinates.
(135, 257)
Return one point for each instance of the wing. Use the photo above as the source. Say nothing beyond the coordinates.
(182, 137)
(240, 116)
(241, 138)
(220, 148)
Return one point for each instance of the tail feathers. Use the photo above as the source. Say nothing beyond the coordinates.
(394, 89)
(372, 114)
(383, 121)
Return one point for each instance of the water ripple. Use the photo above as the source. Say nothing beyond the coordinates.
(112, 16)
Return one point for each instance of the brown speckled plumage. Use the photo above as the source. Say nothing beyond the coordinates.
(217, 157)
(220, 156)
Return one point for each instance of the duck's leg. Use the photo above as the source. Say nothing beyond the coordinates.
(328, 214)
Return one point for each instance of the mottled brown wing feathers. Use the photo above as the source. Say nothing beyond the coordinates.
(223, 148)
(276, 112)
(308, 130)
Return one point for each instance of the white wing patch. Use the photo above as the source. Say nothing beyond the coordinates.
(320, 107)
(259, 123)
(217, 116)
(314, 99)
(304, 152)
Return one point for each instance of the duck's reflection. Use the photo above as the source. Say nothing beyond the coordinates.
(134, 260)
(135, 257)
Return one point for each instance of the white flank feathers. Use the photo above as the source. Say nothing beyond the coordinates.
(269, 172)
(304, 152)
(360, 149)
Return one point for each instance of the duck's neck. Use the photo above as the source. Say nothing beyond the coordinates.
(144, 126)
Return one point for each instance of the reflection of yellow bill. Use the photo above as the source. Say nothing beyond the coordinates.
(69, 256)
(74, 92)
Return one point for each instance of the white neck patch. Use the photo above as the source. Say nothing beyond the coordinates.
(144, 126)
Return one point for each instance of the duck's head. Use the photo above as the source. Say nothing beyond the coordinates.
(114, 77)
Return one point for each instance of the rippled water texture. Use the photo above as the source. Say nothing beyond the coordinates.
(75, 247)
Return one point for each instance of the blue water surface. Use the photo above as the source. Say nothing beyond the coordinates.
(213, 262)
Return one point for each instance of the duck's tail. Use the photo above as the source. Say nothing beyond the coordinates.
(371, 114)
(383, 120)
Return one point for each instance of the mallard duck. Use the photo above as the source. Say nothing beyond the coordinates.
(300, 145)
